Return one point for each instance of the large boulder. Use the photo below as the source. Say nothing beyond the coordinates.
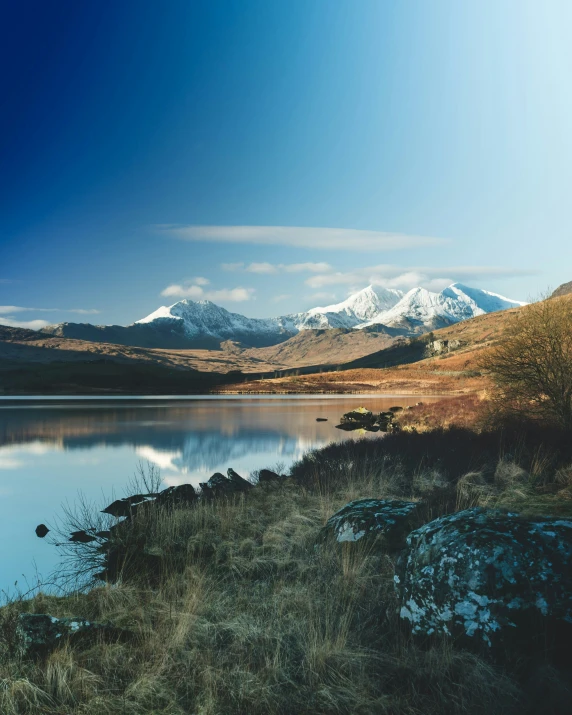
(486, 574)
(370, 518)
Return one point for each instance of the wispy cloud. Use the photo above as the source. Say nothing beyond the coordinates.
(29, 324)
(197, 292)
(9, 309)
(282, 296)
(269, 268)
(7, 313)
(346, 239)
(431, 277)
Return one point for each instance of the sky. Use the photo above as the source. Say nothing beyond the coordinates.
(275, 155)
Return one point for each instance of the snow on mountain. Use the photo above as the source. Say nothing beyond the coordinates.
(359, 307)
(420, 310)
(204, 318)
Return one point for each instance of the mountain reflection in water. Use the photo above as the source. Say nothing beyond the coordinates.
(50, 452)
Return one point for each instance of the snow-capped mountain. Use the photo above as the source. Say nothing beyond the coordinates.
(202, 324)
(360, 307)
(420, 310)
(202, 317)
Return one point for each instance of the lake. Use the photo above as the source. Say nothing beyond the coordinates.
(50, 450)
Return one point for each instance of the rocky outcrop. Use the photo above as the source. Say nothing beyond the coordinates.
(440, 347)
(483, 573)
(564, 289)
(360, 417)
(39, 633)
(219, 485)
(371, 518)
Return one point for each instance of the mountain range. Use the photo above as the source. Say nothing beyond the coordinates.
(203, 324)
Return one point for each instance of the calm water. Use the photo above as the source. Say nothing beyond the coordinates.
(52, 450)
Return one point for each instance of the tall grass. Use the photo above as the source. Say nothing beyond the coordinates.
(247, 615)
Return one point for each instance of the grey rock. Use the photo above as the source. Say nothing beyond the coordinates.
(183, 494)
(482, 573)
(370, 518)
(239, 482)
(40, 633)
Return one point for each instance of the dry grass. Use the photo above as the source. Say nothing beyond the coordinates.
(468, 411)
(247, 616)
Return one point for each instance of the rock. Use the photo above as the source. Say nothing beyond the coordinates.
(219, 485)
(239, 482)
(126, 506)
(41, 531)
(321, 419)
(358, 417)
(385, 421)
(40, 633)
(265, 476)
(395, 409)
(367, 518)
(183, 494)
(443, 346)
(486, 574)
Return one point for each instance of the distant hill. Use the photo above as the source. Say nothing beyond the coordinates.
(563, 289)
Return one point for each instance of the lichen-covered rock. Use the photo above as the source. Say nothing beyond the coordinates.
(367, 518)
(40, 633)
(483, 572)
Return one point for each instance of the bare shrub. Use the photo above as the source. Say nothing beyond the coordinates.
(532, 367)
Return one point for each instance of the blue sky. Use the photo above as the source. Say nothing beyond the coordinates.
(154, 150)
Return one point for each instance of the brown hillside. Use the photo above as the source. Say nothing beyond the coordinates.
(454, 372)
(310, 347)
(564, 289)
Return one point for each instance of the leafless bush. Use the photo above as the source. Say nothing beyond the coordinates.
(531, 367)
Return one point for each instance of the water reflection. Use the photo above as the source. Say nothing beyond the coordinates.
(49, 452)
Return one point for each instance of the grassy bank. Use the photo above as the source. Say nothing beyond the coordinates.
(245, 615)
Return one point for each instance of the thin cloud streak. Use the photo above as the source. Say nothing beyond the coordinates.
(342, 239)
(433, 278)
(272, 268)
(8, 309)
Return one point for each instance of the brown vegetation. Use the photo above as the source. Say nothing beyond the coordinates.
(468, 411)
(531, 368)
